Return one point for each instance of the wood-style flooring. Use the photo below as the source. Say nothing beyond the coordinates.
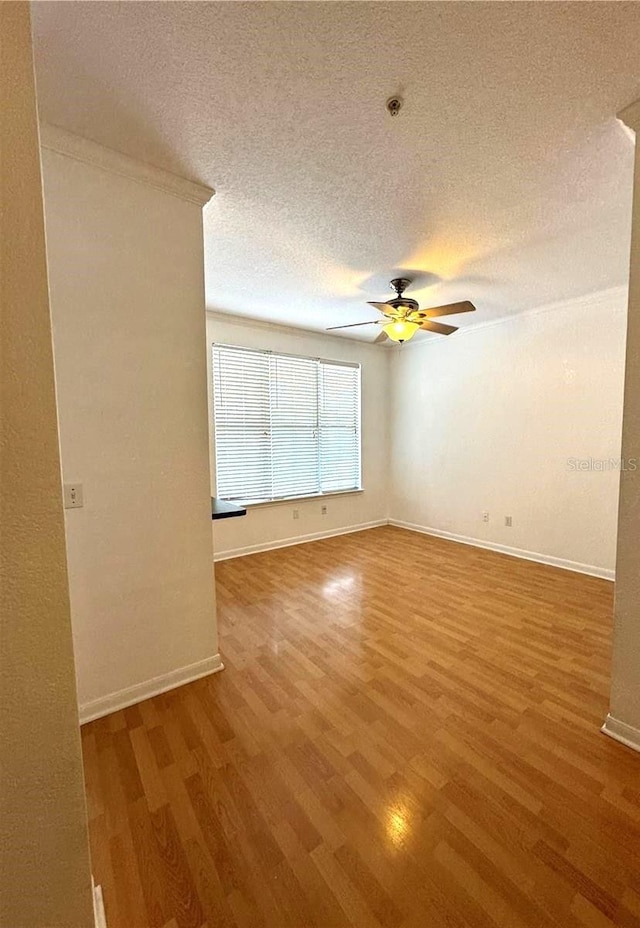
(406, 734)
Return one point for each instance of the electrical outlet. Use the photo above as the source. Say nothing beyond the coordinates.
(72, 495)
(296, 513)
(508, 521)
(323, 509)
(485, 516)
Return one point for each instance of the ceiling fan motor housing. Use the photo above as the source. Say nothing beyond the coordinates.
(404, 302)
(400, 284)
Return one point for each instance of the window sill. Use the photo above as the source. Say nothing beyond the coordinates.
(260, 504)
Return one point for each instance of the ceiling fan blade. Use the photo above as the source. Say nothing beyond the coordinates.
(352, 325)
(464, 307)
(438, 328)
(383, 307)
(382, 337)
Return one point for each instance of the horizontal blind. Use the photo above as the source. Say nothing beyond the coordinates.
(294, 426)
(241, 387)
(339, 421)
(284, 425)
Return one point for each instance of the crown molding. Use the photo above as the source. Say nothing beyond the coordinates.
(251, 322)
(630, 116)
(613, 299)
(58, 140)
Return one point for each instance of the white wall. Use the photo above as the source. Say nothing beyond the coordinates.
(488, 420)
(624, 718)
(270, 524)
(45, 876)
(126, 276)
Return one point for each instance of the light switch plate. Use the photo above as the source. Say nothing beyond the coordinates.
(73, 496)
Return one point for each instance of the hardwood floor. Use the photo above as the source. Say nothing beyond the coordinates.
(406, 735)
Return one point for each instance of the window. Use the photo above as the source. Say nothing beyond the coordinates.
(285, 426)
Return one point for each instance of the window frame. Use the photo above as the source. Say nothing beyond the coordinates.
(280, 500)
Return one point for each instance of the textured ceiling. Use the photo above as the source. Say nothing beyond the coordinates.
(505, 179)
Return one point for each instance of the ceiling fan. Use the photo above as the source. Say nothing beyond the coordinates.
(403, 316)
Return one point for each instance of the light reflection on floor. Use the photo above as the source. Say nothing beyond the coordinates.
(398, 824)
(339, 586)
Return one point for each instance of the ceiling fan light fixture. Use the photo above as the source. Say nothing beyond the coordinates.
(401, 330)
(402, 311)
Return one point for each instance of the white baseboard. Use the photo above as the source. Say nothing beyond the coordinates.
(622, 732)
(576, 566)
(296, 540)
(590, 569)
(98, 906)
(97, 708)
